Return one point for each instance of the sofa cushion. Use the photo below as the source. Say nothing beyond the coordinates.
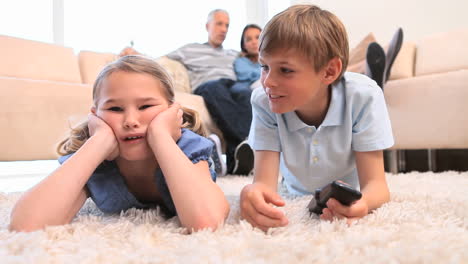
(442, 53)
(37, 60)
(358, 54)
(178, 73)
(91, 64)
(197, 103)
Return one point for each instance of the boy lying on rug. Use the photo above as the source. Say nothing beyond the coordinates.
(138, 149)
(313, 121)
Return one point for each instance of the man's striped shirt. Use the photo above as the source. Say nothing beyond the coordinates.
(205, 63)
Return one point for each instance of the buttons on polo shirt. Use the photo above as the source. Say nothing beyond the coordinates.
(315, 142)
(315, 159)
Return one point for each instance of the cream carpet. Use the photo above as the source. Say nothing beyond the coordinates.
(426, 221)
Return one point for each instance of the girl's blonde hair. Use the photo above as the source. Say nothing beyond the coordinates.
(131, 64)
(315, 33)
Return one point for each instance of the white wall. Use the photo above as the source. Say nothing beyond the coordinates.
(257, 12)
(418, 18)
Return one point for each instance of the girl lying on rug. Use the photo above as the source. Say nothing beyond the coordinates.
(138, 149)
(313, 121)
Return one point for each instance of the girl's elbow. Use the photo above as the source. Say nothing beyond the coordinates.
(18, 223)
(205, 223)
(16, 226)
(21, 223)
(209, 220)
(202, 224)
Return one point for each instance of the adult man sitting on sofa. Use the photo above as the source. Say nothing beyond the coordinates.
(211, 73)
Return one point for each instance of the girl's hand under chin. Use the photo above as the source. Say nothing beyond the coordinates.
(97, 127)
(166, 122)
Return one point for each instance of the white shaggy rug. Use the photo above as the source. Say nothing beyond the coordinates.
(426, 221)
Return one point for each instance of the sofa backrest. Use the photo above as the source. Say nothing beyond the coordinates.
(91, 64)
(36, 60)
(442, 52)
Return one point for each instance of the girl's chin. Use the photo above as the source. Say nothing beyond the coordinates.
(136, 155)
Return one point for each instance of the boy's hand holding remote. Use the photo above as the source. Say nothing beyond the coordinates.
(338, 199)
(353, 212)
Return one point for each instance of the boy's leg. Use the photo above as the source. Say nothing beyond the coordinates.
(372, 68)
(392, 52)
(357, 56)
(375, 63)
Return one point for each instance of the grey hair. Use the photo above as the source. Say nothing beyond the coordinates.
(213, 12)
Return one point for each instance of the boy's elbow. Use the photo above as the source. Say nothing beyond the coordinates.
(383, 199)
(386, 197)
(385, 194)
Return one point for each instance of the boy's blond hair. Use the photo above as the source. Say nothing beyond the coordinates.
(315, 33)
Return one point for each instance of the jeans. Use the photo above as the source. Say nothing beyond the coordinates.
(231, 111)
(241, 88)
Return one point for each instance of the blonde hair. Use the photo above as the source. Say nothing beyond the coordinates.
(315, 33)
(132, 64)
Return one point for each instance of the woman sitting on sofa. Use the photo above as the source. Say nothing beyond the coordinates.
(246, 65)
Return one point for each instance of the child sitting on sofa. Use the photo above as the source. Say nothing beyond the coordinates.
(138, 149)
(312, 121)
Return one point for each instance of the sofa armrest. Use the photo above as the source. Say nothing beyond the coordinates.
(443, 52)
(29, 59)
(37, 115)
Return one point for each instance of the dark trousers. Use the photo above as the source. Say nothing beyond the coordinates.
(231, 111)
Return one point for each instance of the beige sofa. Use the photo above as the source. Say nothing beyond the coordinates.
(427, 97)
(46, 88)
(428, 104)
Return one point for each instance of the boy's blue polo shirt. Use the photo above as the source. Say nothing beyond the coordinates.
(357, 120)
